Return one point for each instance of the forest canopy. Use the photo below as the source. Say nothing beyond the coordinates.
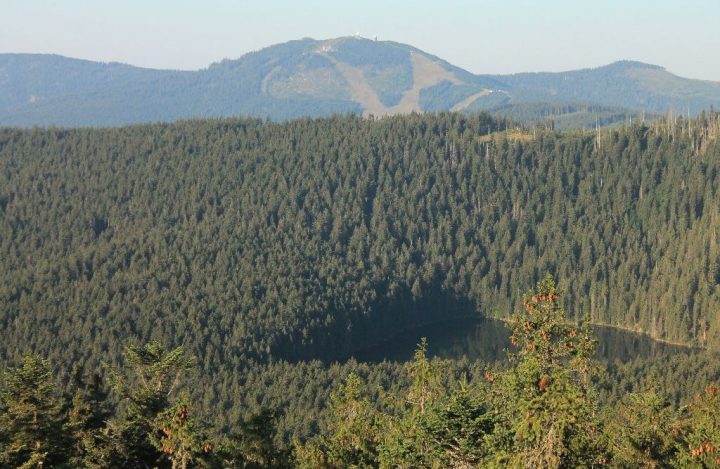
(541, 411)
(256, 245)
(244, 239)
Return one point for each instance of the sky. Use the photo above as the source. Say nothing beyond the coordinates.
(482, 36)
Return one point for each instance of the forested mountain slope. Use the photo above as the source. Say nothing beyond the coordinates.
(311, 78)
(310, 238)
(630, 84)
(299, 78)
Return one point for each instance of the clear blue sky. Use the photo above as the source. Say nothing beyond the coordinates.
(483, 36)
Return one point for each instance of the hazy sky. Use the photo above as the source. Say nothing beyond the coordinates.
(483, 36)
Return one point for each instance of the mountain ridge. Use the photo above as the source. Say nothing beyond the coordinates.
(310, 78)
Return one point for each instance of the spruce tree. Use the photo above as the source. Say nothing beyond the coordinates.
(151, 375)
(550, 411)
(30, 416)
(352, 437)
(701, 442)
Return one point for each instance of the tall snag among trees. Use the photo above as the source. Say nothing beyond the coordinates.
(551, 407)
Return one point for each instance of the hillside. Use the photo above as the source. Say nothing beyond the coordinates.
(310, 78)
(632, 85)
(314, 238)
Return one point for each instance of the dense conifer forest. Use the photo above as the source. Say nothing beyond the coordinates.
(540, 410)
(252, 258)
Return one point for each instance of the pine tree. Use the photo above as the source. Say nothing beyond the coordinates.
(253, 445)
(87, 417)
(405, 442)
(426, 387)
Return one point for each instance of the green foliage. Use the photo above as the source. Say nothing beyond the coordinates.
(183, 439)
(565, 116)
(256, 243)
(87, 416)
(701, 443)
(460, 429)
(550, 406)
(405, 442)
(542, 412)
(156, 371)
(544, 340)
(644, 431)
(425, 387)
(145, 386)
(150, 427)
(253, 446)
(351, 440)
(245, 240)
(30, 416)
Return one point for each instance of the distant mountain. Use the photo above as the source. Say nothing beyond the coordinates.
(633, 85)
(312, 78)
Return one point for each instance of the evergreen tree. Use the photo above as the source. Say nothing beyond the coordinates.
(253, 446)
(644, 431)
(31, 423)
(183, 438)
(153, 373)
(547, 396)
(460, 429)
(405, 440)
(701, 441)
(87, 418)
(352, 438)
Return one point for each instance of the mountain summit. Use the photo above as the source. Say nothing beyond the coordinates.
(382, 77)
(311, 77)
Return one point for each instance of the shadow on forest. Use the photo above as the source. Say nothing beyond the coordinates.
(387, 322)
(454, 329)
